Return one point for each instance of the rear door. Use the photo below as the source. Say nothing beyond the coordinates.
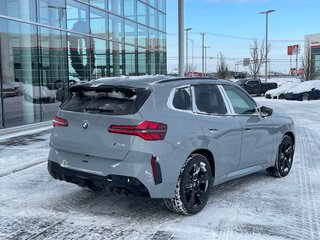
(222, 131)
(89, 115)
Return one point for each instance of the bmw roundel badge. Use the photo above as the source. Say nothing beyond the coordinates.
(85, 124)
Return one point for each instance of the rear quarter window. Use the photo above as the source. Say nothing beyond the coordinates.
(111, 101)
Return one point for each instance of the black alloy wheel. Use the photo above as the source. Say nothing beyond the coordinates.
(284, 159)
(193, 188)
(195, 184)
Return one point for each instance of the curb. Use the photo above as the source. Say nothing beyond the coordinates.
(24, 130)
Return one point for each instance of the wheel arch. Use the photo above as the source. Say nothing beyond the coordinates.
(291, 135)
(209, 156)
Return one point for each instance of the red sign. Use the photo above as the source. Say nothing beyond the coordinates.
(315, 44)
(293, 50)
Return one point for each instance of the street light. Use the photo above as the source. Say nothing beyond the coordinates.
(205, 59)
(192, 50)
(187, 30)
(202, 35)
(266, 67)
(181, 36)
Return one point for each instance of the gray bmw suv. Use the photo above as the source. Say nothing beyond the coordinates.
(165, 137)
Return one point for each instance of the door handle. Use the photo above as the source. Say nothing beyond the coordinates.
(248, 129)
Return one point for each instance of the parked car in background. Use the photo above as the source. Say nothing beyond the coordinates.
(280, 92)
(166, 137)
(38, 94)
(308, 90)
(8, 90)
(255, 86)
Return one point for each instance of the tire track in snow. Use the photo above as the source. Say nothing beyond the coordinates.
(308, 198)
(21, 169)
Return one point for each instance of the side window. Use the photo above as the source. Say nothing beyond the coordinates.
(242, 104)
(209, 100)
(182, 99)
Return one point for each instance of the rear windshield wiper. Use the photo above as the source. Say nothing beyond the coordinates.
(92, 109)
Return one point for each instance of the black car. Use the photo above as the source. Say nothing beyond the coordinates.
(313, 94)
(255, 86)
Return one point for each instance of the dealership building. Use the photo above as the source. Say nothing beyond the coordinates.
(312, 41)
(46, 45)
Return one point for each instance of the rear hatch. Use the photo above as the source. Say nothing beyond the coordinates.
(90, 111)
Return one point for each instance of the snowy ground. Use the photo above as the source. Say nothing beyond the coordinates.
(35, 206)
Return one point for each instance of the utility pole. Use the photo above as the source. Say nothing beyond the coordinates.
(187, 64)
(202, 35)
(181, 36)
(266, 60)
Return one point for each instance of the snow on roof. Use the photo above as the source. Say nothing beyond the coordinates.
(283, 88)
(306, 86)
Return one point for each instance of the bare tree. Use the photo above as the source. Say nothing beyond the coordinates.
(222, 68)
(190, 68)
(307, 64)
(258, 57)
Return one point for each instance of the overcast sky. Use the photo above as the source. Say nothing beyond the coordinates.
(231, 26)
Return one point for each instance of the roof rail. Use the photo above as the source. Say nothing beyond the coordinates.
(175, 79)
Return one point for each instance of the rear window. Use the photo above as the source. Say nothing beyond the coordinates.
(107, 101)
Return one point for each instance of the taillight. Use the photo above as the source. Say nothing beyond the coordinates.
(58, 121)
(147, 130)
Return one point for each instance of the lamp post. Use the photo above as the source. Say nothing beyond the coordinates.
(202, 35)
(266, 60)
(205, 59)
(187, 65)
(192, 43)
(181, 36)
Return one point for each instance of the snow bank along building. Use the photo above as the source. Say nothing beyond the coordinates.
(312, 41)
(50, 44)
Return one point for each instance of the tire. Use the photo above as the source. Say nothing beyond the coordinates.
(284, 158)
(305, 97)
(193, 188)
(282, 96)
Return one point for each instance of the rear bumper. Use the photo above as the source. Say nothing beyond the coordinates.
(114, 183)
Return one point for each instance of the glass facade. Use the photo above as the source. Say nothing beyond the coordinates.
(46, 45)
(315, 56)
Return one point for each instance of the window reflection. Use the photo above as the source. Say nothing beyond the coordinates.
(116, 7)
(130, 59)
(19, 65)
(53, 12)
(99, 23)
(78, 17)
(81, 53)
(22, 9)
(97, 39)
(142, 13)
(130, 30)
(130, 9)
(142, 36)
(100, 3)
(100, 69)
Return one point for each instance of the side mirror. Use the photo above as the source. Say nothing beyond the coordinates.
(265, 111)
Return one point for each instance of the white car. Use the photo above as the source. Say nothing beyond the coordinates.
(280, 92)
(38, 94)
